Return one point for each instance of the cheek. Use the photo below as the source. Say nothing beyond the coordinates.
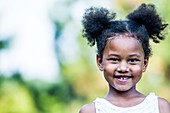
(109, 69)
(137, 70)
(137, 67)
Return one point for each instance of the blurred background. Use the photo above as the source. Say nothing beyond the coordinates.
(46, 65)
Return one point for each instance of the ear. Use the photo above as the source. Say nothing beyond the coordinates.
(145, 64)
(99, 62)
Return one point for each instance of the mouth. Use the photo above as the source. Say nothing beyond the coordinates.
(123, 78)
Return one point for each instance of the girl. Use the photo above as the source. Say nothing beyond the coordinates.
(123, 55)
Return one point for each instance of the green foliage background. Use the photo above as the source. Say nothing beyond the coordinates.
(81, 82)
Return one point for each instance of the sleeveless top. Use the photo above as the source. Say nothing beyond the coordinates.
(149, 105)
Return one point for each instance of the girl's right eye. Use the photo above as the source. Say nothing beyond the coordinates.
(114, 60)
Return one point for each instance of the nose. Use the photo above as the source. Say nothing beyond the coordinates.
(123, 67)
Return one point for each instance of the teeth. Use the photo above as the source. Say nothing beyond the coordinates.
(123, 78)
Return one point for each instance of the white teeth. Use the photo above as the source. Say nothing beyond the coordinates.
(123, 78)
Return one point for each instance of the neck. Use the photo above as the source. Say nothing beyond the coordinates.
(113, 93)
(124, 98)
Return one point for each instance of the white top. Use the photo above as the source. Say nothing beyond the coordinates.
(149, 105)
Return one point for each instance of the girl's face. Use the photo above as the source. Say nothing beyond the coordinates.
(123, 62)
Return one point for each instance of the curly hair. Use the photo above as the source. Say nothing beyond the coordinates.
(143, 23)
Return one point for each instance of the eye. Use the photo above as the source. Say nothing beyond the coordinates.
(133, 61)
(115, 60)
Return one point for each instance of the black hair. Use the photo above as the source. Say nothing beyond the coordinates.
(143, 23)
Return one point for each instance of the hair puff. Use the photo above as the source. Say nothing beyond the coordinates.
(95, 20)
(147, 15)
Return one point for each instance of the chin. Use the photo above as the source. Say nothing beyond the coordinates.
(122, 89)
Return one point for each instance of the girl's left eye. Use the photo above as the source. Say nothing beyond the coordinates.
(133, 60)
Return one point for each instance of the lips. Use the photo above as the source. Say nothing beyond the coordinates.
(123, 78)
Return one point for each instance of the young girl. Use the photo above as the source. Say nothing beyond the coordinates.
(123, 55)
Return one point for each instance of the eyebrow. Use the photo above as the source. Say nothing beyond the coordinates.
(113, 54)
(131, 55)
(135, 55)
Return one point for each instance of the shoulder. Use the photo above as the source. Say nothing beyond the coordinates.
(164, 105)
(88, 108)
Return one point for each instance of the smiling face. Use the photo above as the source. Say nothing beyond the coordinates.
(123, 62)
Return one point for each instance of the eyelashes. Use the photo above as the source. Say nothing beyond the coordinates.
(113, 59)
(130, 61)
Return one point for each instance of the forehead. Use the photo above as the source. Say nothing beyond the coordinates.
(124, 43)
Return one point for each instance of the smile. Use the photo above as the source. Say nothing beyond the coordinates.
(123, 78)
